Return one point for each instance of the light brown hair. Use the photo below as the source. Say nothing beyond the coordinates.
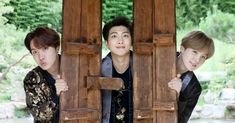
(199, 41)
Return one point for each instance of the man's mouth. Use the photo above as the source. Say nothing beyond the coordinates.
(43, 64)
(194, 65)
(120, 47)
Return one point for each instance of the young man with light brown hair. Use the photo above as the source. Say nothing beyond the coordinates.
(195, 49)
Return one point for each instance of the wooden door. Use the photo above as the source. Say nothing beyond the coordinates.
(81, 54)
(81, 59)
(154, 61)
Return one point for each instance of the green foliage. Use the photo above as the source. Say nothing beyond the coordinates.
(4, 9)
(227, 6)
(204, 85)
(19, 113)
(11, 46)
(11, 39)
(11, 43)
(189, 12)
(216, 84)
(112, 8)
(219, 25)
(28, 15)
(2, 63)
(201, 102)
(5, 97)
(230, 65)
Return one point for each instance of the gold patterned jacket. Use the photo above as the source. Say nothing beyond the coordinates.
(41, 98)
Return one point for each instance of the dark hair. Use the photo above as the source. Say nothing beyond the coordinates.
(42, 37)
(117, 21)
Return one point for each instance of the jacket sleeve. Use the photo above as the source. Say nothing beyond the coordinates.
(38, 100)
(186, 107)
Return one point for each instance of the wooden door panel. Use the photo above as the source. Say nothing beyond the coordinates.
(143, 89)
(81, 54)
(165, 55)
(143, 61)
(154, 61)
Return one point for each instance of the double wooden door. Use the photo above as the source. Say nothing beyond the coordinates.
(154, 62)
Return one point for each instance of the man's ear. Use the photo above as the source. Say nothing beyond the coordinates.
(182, 48)
(107, 45)
(57, 49)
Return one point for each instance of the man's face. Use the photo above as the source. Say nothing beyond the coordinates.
(45, 57)
(192, 59)
(119, 40)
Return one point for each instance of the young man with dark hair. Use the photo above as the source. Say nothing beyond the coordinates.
(43, 84)
(117, 106)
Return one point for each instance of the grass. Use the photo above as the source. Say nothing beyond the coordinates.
(201, 102)
(5, 97)
(19, 113)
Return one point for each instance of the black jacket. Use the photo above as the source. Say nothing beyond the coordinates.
(107, 71)
(188, 98)
(41, 98)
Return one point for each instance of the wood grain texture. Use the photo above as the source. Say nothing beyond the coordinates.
(81, 58)
(143, 61)
(154, 61)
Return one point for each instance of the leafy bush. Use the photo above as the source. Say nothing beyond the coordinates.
(28, 14)
(216, 84)
(227, 6)
(189, 12)
(19, 113)
(5, 97)
(230, 65)
(11, 45)
(112, 8)
(219, 25)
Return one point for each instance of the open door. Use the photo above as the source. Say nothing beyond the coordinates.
(154, 62)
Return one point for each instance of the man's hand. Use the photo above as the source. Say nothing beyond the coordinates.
(176, 83)
(60, 85)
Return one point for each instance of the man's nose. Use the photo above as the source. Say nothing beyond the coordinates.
(197, 58)
(120, 40)
(41, 56)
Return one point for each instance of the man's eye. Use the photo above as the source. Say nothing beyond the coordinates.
(204, 57)
(126, 36)
(113, 36)
(34, 52)
(195, 52)
(45, 48)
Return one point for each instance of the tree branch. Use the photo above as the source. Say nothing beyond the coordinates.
(3, 76)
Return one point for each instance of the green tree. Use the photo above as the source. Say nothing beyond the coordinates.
(112, 8)
(227, 6)
(29, 14)
(190, 12)
(219, 25)
(11, 41)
